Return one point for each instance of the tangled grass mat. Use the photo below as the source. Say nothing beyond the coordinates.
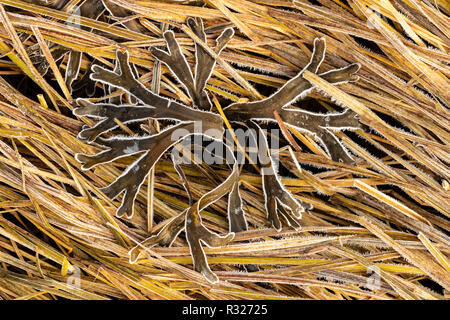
(94, 204)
